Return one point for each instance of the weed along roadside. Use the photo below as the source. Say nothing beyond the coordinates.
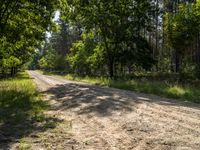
(183, 92)
(22, 111)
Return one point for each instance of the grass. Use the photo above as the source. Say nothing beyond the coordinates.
(20, 100)
(23, 145)
(168, 90)
(22, 110)
(162, 88)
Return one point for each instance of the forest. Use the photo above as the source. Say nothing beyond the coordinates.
(116, 39)
(120, 38)
(101, 38)
(99, 74)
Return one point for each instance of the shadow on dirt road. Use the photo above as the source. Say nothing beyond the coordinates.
(104, 101)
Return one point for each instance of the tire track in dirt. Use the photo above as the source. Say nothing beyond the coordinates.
(172, 115)
(176, 110)
(174, 127)
(103, 132)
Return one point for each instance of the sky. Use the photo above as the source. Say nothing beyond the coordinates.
(56, 17)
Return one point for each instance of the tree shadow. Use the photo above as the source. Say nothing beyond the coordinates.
(21, 114)
(103, 101)
(86, 99)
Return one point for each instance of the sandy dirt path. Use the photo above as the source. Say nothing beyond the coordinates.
(100, 118)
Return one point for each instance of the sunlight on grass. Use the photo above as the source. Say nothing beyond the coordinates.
(23, 145)
(164, 89)
(19, 100)
(176, 90)
(145, 86)
(87, 79)
(22, 110)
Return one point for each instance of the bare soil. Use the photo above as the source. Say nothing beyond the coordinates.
(101, 118)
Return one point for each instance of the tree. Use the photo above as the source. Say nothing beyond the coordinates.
(22, 27)
(86, 56)
(116, 23)
(182, 30)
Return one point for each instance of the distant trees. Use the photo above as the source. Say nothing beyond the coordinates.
(87, 56)
(120, 36)
(53, 53)
(155, 35)
(102, 37)
(182, 22)
(117, 27)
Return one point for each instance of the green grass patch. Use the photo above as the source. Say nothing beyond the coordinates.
(22, 111)
(19, 100)
(161, 88)
(166, 86)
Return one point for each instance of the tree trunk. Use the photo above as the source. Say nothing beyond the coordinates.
(198, 50)
(12, 72)
(111, 69)
(177, 62)
(157, 42)
(15, 70)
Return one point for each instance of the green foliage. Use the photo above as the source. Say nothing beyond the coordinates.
(197, 71)
(11, 61)
(22, 112)
(51, 60)
(48, 61)
(182, 32)
(20, 100)
(165, 89)
(117, 26)
(184, 27)
(22, 28)
(86, 56)
(52, 55)
(34, 61)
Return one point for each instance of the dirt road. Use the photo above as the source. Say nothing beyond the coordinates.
(100, 118)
